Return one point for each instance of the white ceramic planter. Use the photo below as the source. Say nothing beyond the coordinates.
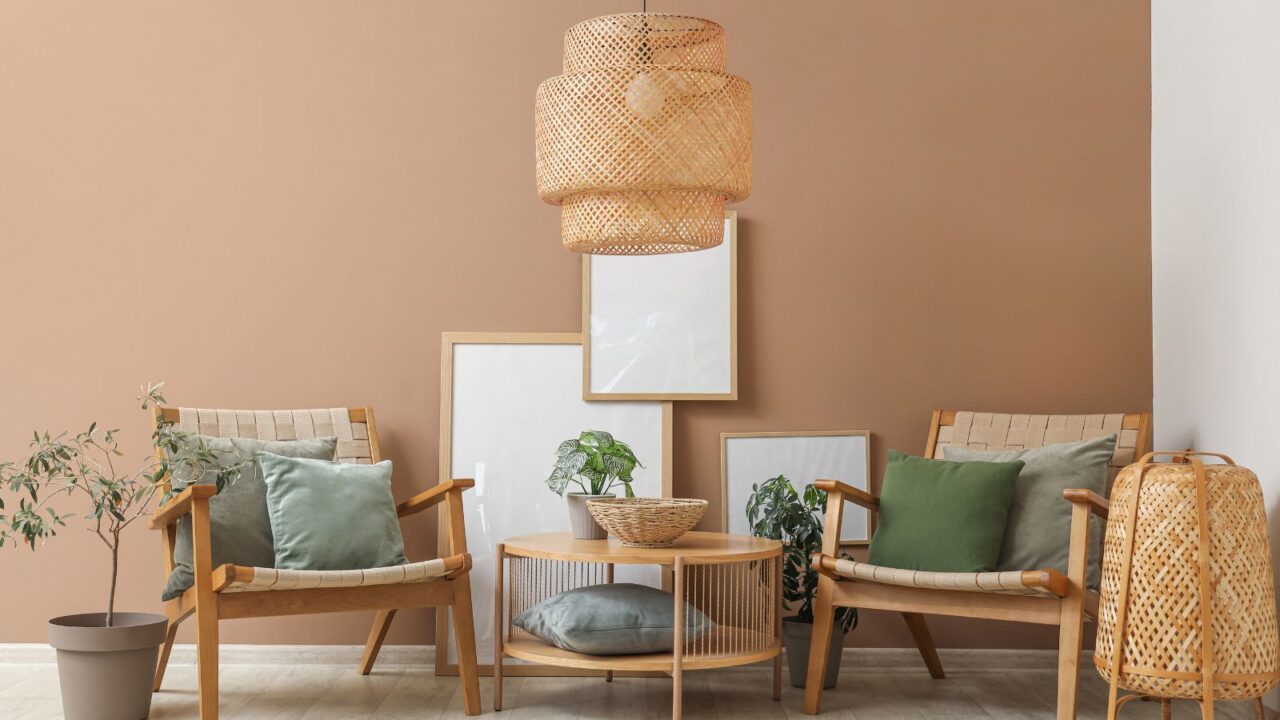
(584, 525)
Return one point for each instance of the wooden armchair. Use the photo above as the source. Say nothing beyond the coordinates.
(232, 591)
(1035, 595)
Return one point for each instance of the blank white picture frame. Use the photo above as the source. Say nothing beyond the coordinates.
(662, 327)
(803, 457)
(507, 400)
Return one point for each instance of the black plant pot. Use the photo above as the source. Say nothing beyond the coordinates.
(797, 637)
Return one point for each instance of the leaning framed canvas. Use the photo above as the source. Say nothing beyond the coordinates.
(748, 458)
(507, 401)
(662, 327)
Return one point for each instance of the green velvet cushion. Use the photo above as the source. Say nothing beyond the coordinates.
(942, 516)
(616, 619)
(1038, 534)
(330, 515)
(239, 525)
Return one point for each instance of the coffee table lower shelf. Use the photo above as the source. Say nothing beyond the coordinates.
(544, 654)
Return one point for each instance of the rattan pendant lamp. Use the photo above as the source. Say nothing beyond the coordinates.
(645, 137)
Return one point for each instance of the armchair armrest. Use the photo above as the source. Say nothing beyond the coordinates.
(850, 493)
(180, 505)
(424, 500)
(1096, 504)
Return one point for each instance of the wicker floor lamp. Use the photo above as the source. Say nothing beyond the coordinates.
(1187, 607)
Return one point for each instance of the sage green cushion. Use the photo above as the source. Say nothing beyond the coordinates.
(239, 525)
(1039, 531)
(616, 619)
(330, 515)
(942, 516)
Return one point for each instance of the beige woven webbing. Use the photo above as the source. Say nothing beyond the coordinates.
(1003, 431)
(353, 438)
(1010, 582)
(273, 579)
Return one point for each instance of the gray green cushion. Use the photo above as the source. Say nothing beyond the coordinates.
(1039, 530)
(942, 516)
(330, 515)
(616, 619)
(240, 527)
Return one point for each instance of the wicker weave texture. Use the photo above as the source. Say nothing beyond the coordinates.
(353, 437)
(1163, 629)
(647, 522)
(645, 137)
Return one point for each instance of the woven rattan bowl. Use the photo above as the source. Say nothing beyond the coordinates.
(647, 522)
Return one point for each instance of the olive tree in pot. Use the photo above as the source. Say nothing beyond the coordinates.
(596, 462)
(106, 660)
(775, 510)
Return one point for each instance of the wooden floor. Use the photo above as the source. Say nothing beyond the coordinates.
(875, 687)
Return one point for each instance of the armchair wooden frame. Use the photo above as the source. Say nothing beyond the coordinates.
(1062, 601)
(208, 602)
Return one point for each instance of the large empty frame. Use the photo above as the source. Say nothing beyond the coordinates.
(507, 400)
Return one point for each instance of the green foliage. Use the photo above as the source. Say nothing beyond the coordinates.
(595, 462)
(63, 467)
(776, 511)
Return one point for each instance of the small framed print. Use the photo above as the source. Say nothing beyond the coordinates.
(662, 327)
(750, 458)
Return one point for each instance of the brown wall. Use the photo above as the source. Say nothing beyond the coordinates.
(284, 204)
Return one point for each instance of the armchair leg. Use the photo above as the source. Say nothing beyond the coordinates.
(170, 634)
(924, 643)
(207, 661)
(377, 634)
(464, 636)
(824, 614)
(1069, 635)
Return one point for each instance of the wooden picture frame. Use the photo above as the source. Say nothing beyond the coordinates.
(838, 458)
(672, 316)
(504, 388)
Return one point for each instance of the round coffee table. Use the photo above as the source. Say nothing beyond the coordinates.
(735, 580)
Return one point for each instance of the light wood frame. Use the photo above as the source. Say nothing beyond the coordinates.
(724, 470)
(448, 341)
(732, 394)
(1067, 605)
(206, 601)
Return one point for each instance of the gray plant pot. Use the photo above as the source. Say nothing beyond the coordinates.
(584, 525)
(797, 637)
(106, 672)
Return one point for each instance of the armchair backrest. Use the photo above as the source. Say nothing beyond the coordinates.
(1005, 431)
(354, 427)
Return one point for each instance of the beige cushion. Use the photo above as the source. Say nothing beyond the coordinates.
(1017, 582)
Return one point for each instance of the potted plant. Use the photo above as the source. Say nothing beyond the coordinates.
(775, 510)
(106, 660)
(595, 462)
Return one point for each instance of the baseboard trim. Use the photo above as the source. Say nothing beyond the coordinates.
(397, 655)
(893, 659)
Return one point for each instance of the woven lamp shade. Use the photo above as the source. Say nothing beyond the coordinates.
(1187, 590)
(645, 137)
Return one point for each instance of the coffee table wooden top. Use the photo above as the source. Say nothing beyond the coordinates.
(694, 546)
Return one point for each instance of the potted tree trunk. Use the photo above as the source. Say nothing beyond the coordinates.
(776, 511)
(595, 462)
(106, 660)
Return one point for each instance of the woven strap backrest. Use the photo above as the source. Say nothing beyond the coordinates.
(353, 437)
(1002, 431)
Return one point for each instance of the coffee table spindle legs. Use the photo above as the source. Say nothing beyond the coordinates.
(677, 671)
(498, 627)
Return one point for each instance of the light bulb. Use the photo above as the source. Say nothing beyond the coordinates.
(645, 96)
